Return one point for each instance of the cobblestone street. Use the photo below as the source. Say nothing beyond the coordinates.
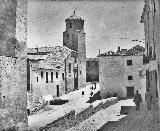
(142, 120)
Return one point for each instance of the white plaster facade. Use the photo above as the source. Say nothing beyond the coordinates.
(50, 75)
(114, 72)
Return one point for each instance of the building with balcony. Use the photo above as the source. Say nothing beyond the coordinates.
(150, 19)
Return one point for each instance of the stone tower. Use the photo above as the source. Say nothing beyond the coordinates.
(74, 38)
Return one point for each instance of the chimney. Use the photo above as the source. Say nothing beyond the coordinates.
(99, 51)
(36, 49)
(119, 48)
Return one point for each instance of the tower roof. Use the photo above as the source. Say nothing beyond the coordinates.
(74, 16)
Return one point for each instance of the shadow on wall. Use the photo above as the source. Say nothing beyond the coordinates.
(90, 78)
(95, 97)
(58, 102)
(12, 46)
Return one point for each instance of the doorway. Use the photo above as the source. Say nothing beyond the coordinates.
(130, 91)
(75, 80)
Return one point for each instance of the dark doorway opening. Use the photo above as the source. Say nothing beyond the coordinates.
(76, 80)
(130, 91)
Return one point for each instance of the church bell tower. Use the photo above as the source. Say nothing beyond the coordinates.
(74, 38)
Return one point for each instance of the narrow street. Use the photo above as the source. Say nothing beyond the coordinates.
(111, 113)
(110, 119)
(142, 120)
(79, 65)
(77, 101)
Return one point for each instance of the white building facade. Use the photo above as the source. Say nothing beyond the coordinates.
(50, 74)
(121, 74)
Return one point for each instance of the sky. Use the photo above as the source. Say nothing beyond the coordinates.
(108, 24)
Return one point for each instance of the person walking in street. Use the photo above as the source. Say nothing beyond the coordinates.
(148, 99)
(137, 99)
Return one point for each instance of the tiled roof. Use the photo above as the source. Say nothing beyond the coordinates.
(42, 49)
(136, 50)
(74, 16)
(56, 58)
(92, 59)
(53, 59)
(36, 57)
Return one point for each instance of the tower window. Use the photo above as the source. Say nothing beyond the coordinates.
(46, 77)
(69, 67)
(80, 72)
(41, 74)
(129, 62)
(130, 78)
(37, 79)
(52, 77)
(56, 74)
(63, 76)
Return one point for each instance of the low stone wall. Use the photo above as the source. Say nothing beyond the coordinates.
(85, 114)
(98, 107)
(110, 101)
(126, 109)
(61, 124)
(72, 118)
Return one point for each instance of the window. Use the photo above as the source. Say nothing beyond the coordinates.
(69, 67)
(56, 74)
(129, 62)
(41, 74)
(150, 52)
(147, 48)
(46, 77)
(63, 76)
(130, 78)
(37, 79)
(80, 72)
(57, 90)
(52, 77)
(154, 7)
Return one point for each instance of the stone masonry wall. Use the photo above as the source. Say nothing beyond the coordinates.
(114, 72)
(111, 75)
(81, 60)
(13, 77)
(13, 87)
(7, 26)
